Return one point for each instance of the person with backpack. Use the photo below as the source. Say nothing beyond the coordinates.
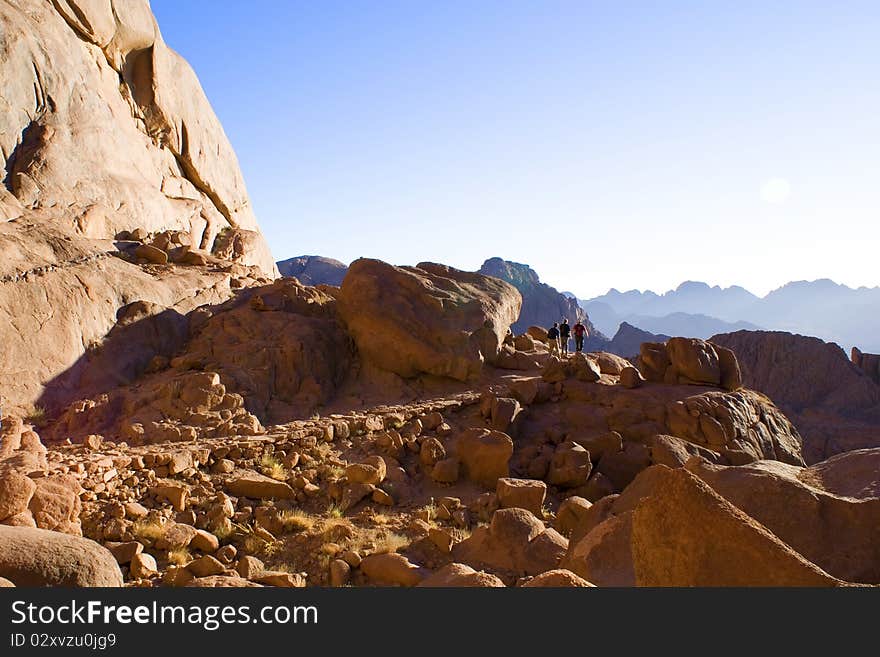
(580, 332)
(553, 339)
(564, 335)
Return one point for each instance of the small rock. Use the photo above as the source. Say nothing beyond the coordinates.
(446, 471)
(223, 466)
(391, 569)
(442, 539)
(286, 580)
(340, 572)
(250, 567)
(206, 566)
(227, 553)
(523, 493)
(205, 541)
(630, 377)
(351, 557)
(143, 565)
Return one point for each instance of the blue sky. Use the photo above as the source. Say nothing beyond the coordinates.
(606, 144)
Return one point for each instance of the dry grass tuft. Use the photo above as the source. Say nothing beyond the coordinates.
(149, 530)
(390, 542)
(272, 467)
(296, 520)
(179, 557)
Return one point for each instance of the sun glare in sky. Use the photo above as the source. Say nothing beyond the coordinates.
(776, 191)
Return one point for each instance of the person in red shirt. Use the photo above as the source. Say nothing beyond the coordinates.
(580, 332)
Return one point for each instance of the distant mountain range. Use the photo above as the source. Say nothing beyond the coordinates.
(821, 308)
(542, 304)
(314, 270)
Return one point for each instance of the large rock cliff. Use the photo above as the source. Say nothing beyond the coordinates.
(108, 142)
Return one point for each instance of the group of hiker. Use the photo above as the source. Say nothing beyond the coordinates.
(559, 335)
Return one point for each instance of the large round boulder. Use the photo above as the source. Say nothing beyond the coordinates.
(39, 557)
(429, 319)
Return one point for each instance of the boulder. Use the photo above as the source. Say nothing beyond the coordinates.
(630, 377)
(55, 503)
(571, 514)
(515, 541)
(526, 494)
(371, 471)
(674, 452)
(731, 375)
(151, 254)
(834, 530)
(537, 333)
(39, 557)
(583, 368)
(427, 319)
(258, 486)
(570, 466)
(143, 566)
(16, 491)
(688, 535)
(653, 361)
(524, 342)
(391, 569)
(205, 566)
(610, 363)
(460, 575)
(603, 555)
(250, 567)
(557, 578)
(504, 411)
(601, 445)
(446, 471)
(484, 455)
(694, 361)
(340, 573)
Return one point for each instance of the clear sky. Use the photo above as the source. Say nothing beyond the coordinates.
(607, 144)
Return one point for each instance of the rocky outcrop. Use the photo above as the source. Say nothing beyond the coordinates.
(271, 353)
(429, 319)
(92, 95)
(672, 528)
(542, 305)
(314, 270)
(107, 143)
(690, 361)
(687, 535)
(868, 363)
(832, 528)
(834, 404)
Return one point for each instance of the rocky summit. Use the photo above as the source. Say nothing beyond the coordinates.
(174, 414)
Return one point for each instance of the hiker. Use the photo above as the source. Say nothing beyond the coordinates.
(564, 335)
(553, 339)
(580, 332)
(508, 337)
